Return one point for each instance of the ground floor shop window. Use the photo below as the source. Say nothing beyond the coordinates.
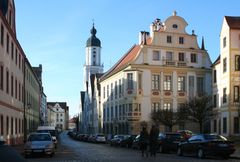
(236, 125)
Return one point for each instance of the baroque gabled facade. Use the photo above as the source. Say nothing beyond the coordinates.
(163, 71)
(226, 81)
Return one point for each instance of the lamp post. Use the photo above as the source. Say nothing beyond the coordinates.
(25, 122)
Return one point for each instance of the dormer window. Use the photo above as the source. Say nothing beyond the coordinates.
(175, 26)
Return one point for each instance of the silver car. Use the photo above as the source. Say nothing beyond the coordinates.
(39, 143)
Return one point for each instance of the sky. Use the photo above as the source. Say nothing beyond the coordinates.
(54, 33)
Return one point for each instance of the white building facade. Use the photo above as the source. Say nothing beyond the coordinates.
(163, 71)
(226, 80)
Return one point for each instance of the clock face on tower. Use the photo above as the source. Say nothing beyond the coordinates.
(4, 6)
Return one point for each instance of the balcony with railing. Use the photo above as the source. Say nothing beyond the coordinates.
(168, 62)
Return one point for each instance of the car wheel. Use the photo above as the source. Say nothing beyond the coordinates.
(179, 151)
(200, 153)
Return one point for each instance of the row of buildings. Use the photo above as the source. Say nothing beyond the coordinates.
(163, 71)
(23, 103)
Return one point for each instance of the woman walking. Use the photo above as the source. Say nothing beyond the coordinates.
(153, 137)
(144, 140)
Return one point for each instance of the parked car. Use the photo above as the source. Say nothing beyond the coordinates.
(169, 141)
(204, 145)
(39, 143)
(100, 138)
(51, 130)
(117, 139)
(135, 144)
(128, 141)
(8, 153)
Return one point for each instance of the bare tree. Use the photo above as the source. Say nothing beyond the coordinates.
(199, 110)
(168, 117)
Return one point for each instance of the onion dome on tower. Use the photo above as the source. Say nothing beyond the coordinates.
(93, 40)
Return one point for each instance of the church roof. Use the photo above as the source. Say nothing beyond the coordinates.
(93, 40)
(233, 22)
(124, 61)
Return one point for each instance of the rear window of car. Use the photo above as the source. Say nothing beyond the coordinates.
(214, 137)
(39, 137)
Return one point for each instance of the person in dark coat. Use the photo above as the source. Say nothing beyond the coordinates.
(143, 141)
(153, 140)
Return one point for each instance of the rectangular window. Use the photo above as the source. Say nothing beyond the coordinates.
(1, 77)
(236, 125)
(130, 108)
(129, 81)
(193, 57)
(155, 82)
(181, 40)
(181, 83)
(237, 62)
(111, 93)
(116, 90)
(224, 125)
(156, 55)
(104, 92)
(139, 81)
(215, 76)
(2, 35)
(236, 94)
(181, 56)
(12, 50)
(7, 125)
(19, 91)
(19, 125)
(167, 84)
(191, 86)
(169, 56)
(155, 106)
(215, 125)
(224, 65)
(12, 86)
(224, 95)
(169, 39)
(116, 112)
(167, 106)
(111, 112)
(16, 125)
(214, 100)
(224, 42)
(16, 87)
(19, 61)
(120, 88)
(12, 125)
(107, 91)
(16, 57)
(200, 86)
(7, 82)
(7, 45)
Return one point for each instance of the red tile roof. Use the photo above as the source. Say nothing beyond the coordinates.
(233, 22)
(125, 60)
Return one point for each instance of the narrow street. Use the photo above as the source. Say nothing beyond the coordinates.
(70, 150)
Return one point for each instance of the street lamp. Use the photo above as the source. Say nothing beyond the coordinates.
(25, 122)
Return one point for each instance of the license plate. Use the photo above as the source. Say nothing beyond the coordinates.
(37, 150)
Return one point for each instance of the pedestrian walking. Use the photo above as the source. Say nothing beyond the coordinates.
(144, 141)
(153, 140)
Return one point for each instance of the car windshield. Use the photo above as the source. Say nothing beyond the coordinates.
(52, 132)
(39, 137)
(214, 137)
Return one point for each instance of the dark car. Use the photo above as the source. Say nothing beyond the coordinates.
(9, 154)
(169, 141)
(135, 144)
(203, 145)
(117, 139)
(128, 141)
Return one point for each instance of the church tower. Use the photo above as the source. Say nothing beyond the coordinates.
(93, 57)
